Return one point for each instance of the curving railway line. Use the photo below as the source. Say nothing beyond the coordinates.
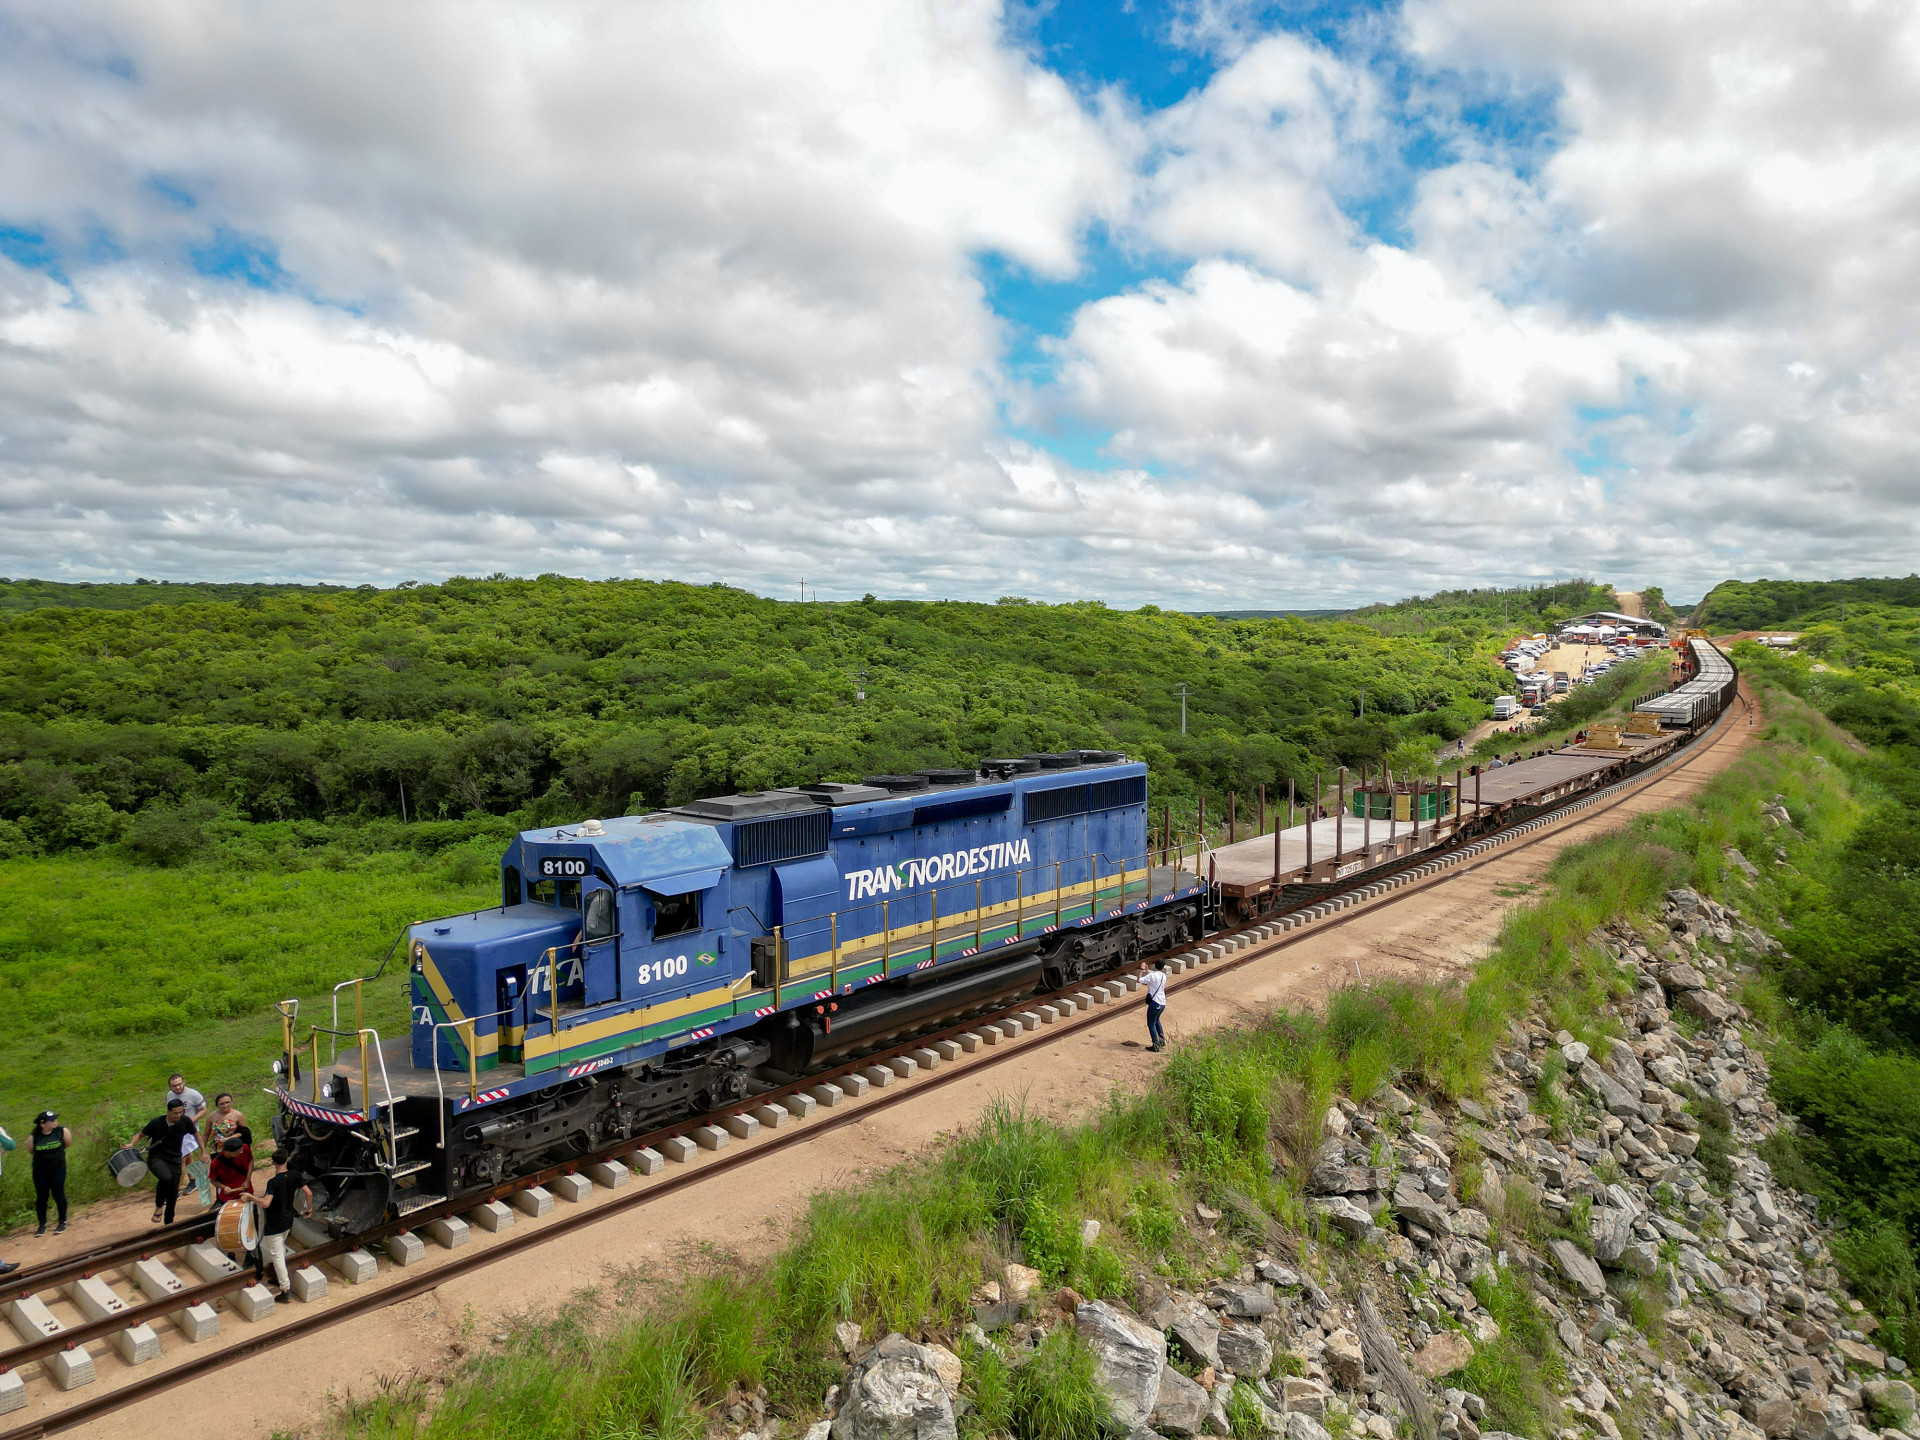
(130, 1291)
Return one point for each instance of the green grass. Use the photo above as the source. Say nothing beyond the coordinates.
(1517, 1374)
(113, 976)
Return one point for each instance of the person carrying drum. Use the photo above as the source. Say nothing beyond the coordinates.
(232, 1177)
(164, 1134)
(50, 1142)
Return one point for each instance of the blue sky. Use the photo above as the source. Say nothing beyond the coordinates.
(1158, 54)
(732, 289)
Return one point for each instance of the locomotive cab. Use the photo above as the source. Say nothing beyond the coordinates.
(618, 923)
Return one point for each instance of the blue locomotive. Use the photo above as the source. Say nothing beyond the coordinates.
(649, 968)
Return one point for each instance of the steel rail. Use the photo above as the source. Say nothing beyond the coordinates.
(29, 1279)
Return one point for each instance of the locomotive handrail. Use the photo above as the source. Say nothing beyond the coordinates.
(358, 1009)
(473, 1064)
(359, 1012)
(365, 1072)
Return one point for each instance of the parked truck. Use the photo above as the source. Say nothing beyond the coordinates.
(1505, 707)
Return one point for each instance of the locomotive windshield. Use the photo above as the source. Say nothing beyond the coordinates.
(563, 893)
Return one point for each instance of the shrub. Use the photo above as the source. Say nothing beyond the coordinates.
(170, 834)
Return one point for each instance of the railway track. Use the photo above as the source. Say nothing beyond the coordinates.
(144, 1288)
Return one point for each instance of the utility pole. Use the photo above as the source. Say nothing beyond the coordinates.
(1183, 709)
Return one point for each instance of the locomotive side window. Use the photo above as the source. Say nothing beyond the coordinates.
(675, 914)
(563, 893)
(598, 924)
(510, 886)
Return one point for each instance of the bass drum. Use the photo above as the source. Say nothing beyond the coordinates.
(127, 1166)
(238, 1228)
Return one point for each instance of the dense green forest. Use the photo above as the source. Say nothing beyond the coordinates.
(1501, 612)
(1847, 892)
(18, 595)
(549, 699)
(1785, 604)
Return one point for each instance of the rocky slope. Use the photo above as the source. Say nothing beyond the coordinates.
(1671, 1286)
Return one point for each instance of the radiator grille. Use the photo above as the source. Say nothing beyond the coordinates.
(783, 837)
(1113, 794)
(1057, 803)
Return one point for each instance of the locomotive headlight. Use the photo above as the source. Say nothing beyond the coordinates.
(326, 1091)
(279, 1067)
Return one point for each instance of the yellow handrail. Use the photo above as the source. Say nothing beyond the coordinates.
(473, 1061)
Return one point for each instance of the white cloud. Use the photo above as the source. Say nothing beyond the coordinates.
(689, 289)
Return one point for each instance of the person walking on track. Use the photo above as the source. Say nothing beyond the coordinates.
(165, 1134)
(1156, 984)
(50, 1142)
(7, 1142)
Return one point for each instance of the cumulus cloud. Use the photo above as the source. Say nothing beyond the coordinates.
(693, 290)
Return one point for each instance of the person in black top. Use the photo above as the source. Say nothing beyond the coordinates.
(278, 1221)
(50, 1142)
(165, 1132)
(7, 1267)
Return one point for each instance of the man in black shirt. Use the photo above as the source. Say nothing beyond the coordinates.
(279, 1220)
(164, 1134)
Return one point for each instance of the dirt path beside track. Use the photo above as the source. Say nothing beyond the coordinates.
(1437, 930)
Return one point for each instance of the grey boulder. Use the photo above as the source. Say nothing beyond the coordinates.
(1182, 1406)
(1129, 1358)
(1346, 1217)
(896, 1398)
(1580, 1270)
(1245, 1350)
(1247, 1302)
(1612, 1232)
(1705, 1005)
(1198, 1332)
(1609, 1091)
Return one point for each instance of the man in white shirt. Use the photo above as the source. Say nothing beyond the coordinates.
(178, 1089)
(1156, 983)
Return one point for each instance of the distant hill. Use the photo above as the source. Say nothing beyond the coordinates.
(1471, 612)
(1780, 604)
(1272, 614)
(18, 596)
